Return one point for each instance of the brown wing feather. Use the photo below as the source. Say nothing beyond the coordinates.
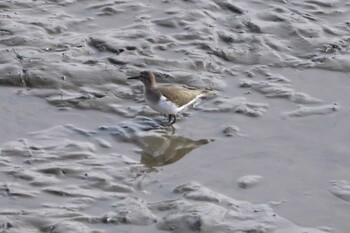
(180, 96)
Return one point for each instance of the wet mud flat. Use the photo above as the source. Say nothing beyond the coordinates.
(81, 152)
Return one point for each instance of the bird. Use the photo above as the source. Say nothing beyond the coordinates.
(168, 100)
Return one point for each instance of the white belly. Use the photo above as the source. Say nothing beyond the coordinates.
(164, 106)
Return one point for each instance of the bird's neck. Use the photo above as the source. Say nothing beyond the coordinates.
(151, 93)
(151, 86)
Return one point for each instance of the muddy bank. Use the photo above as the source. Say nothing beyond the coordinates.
(82, 52)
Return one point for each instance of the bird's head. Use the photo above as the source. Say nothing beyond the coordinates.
(146, 77)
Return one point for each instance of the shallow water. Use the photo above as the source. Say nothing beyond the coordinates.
(81, 152)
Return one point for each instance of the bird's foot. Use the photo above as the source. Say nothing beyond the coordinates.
(172, 119)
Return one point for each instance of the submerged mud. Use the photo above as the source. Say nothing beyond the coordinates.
(265, 60)
(56, 185)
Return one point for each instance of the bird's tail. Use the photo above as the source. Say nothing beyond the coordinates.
(208, 92)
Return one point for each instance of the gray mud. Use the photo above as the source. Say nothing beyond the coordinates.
(81, 152)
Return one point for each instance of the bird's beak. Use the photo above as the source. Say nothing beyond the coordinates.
(134, 77)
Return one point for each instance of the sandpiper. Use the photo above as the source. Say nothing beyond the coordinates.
(167, 100)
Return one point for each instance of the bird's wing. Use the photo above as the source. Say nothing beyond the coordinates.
(179, 96)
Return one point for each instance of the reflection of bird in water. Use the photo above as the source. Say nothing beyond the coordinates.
(168, 100)
(161, 150)
(160, 146)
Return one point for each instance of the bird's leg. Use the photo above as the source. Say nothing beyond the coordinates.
(172, 119)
